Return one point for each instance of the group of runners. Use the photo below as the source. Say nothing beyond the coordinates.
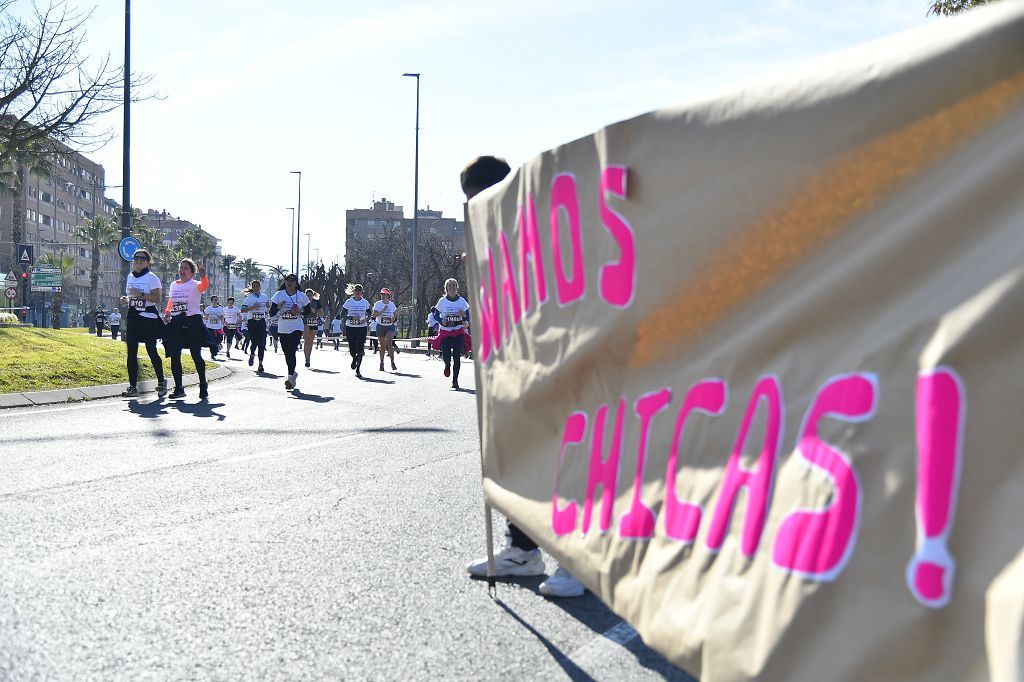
(290, 317)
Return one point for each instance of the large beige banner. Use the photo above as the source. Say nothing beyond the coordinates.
(753, 368)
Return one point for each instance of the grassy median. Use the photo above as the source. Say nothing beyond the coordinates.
(34, 359)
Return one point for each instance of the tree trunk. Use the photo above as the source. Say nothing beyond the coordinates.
(58, 302)
(94, 277)
(18, 208)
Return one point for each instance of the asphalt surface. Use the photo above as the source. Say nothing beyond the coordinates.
(320, 534)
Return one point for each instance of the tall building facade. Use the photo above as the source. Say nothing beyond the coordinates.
(55, 206)
(362, 225)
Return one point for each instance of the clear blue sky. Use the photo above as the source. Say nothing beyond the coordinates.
(258, 88)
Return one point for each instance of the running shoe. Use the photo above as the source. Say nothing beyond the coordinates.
(455, 385)
(393, 368)
(447, 370)
(354, 361)
(289, 383)
(203, 392)
(178, 392)
(130, 392)
(562, 584)
(358, 375)
(251, 360)
(510, 561)
(307, 363)
(260, 369)
(295, 379)
(161, 388)
(382, 365)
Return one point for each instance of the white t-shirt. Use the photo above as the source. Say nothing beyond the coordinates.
(145, 285)
(289, 318)
(356, 312)
(452, 313)
(335, 326)
(232, 316)
(214, 317)
(258, 306)
(115, 319)
(386, 312)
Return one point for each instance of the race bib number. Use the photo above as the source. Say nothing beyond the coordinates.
(179, 307)
(214, 319)
(288, 315)
(311, 322)
(386, 320)
(452, 320)
(257, 316)
(232, 326)
(355, 319)
(138, 304)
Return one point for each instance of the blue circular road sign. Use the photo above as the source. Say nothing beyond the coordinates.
(128, 247)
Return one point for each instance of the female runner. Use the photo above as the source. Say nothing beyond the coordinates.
(311, 315)
(384, 312)
(356, 311)
(186, 328)
(287, 303)
(142, 296)
(256, 306)
(452, 316)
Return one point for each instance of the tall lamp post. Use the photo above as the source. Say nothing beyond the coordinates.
(308, 273)
(298, 224)
(126, 200)
(416, 202)
(292, 242)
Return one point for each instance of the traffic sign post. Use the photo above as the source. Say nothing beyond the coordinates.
(47, 279)
(127, 248)
(26, 254)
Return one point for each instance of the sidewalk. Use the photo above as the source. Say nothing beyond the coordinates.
(74, 395)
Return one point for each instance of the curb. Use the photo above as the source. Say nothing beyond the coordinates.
(74, 395)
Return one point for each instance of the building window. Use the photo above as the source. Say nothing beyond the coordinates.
(46, 197)
(33, 192)
(81, 252)
(46, 220)
(371, 222)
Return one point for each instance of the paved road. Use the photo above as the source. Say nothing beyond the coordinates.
(268, 535)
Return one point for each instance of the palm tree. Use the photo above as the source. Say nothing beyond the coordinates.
(228, 261)
(101, 233)
(15, 168)
(64, 262)
(247, 270)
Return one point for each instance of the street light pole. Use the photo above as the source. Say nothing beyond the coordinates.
(126, 199)
(307, 254)
(416, 202)
(292, 241)
(298, 226)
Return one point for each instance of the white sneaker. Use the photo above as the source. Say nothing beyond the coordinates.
(562, 584)
(510, 561)
(289, 383)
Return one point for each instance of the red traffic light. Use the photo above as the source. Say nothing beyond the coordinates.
(24, 276)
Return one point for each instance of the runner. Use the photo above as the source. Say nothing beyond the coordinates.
(311, 315)
(272, 332)
(356, 310)
(101, 318)
(320, 331)
(336, 330)
(452, 316)
(142, 294)
(255, 308)
(213, 316)
(245, 332)
(232, 317)
(114, 321)
(289, 302)
(186, 328)
(373, 336)
(384, 312)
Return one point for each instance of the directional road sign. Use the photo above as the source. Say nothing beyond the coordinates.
(127, 248)
(26, 254)
(47, 279)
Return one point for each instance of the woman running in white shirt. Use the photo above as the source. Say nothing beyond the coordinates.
(256, 306)
(384, 313)
(213, 315)
(186, 328)
(356, 310)
(232, 318)
(143, 291)
(311, 314)
(452, 316)
(287, 303)
(336, 330)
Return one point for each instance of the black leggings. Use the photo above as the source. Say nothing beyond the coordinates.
(356, 341)
(290, 346)
(197, 358)
(133, 361)
(230, 335)
(258, 336)
(451, 351)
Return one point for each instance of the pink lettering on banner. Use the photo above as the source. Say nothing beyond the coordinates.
(941, 410)
(565, 198)
(817, 543)
(603, 472)
(510, 297)
(682, 519)
(530, 257)
(758, 482)
(638, 522)
(618, 279)
(490, 320)
(563, 520)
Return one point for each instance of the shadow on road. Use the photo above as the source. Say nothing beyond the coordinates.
(376, 381)
(571, 669)
(406, 429)
(149, 410)
(470, 391)
(403, 374)
(201, 409)
(269, 375)
(311, 397)
(323, 371)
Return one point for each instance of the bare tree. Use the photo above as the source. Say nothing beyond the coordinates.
(947, 7)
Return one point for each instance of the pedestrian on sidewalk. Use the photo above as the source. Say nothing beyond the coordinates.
(521, 555)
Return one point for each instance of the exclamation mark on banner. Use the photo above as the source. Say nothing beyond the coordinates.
(941, 408)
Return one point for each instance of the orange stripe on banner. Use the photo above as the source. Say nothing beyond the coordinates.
(775, 243)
